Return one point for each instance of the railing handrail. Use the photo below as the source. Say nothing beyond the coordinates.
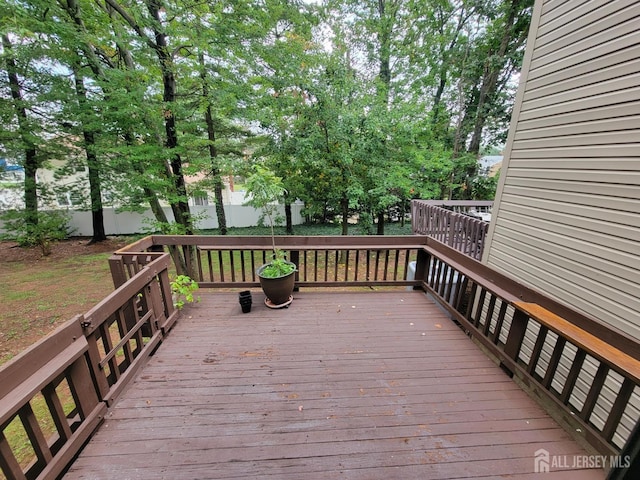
(457, 203)
(289, 241)
(495, 310)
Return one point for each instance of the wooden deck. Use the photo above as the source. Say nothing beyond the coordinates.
(366, 385)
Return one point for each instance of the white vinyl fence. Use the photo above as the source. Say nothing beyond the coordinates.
(125, 223)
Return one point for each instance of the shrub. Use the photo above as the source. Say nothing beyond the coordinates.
(52, 226)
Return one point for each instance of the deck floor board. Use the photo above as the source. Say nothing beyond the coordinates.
(362, 385)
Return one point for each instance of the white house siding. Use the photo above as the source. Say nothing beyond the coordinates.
(567, 215)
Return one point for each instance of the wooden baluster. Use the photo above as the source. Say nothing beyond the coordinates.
(500, 321)
(34, 432)
(537, 349)
(519, 323)
(244, 272)
(8, 462)
(572, 377)
(210, 266)
(594, 391)
(618, 408)
(553, 362)
(489, 317)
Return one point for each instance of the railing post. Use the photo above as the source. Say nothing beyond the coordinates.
(517, 330)
(118, 273)
(294, 257)
(423, 258)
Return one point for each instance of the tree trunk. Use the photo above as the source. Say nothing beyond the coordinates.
(159, 45)
(288, 216)
(95, 190)
(380, 227)
(97, 212)
(213, 152)
(344, 208)
(180, 207)
(31, 162)
(494, 66)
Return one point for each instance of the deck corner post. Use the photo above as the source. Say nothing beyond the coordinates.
(118, 272)
(423, 259)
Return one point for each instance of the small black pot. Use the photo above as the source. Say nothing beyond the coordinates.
(245, 301)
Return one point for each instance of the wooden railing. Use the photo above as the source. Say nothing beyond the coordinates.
(69, 378)
(468, 207)
(452, 223)
(589, 372)
(323, 261)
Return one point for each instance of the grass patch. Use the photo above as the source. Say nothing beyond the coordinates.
(18, 296)
(87, 259)
(310, 230)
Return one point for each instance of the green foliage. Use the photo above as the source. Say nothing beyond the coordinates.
(266, 189)
(51, 227)
(183, 287)
(484, 188)
(278, 266)
(357, 106)
(365, 223)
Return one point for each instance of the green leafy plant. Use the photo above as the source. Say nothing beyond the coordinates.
(52, 226)
(266, 190)
(278, 266)
(183, 288)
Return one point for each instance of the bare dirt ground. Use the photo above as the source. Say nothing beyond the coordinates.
(39, 293)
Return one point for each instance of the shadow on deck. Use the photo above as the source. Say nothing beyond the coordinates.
(339, 385)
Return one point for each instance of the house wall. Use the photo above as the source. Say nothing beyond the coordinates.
(566, 220)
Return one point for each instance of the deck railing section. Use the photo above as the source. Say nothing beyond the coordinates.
(500, 313)
(451, 223)
(323, 261)
(55, 393)
(94, 356)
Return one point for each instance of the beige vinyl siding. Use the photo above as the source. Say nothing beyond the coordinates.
(566, 220)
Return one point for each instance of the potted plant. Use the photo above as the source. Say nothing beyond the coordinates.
(277, 277)
(182, 289)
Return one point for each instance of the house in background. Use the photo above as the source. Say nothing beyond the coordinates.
(566, 220)
(11, 184)
(72, 189)
(71, 192)
(489, 165)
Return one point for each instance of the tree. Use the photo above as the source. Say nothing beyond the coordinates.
(493, 56)
(25, 128)
(358, 105)
(155, 36)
